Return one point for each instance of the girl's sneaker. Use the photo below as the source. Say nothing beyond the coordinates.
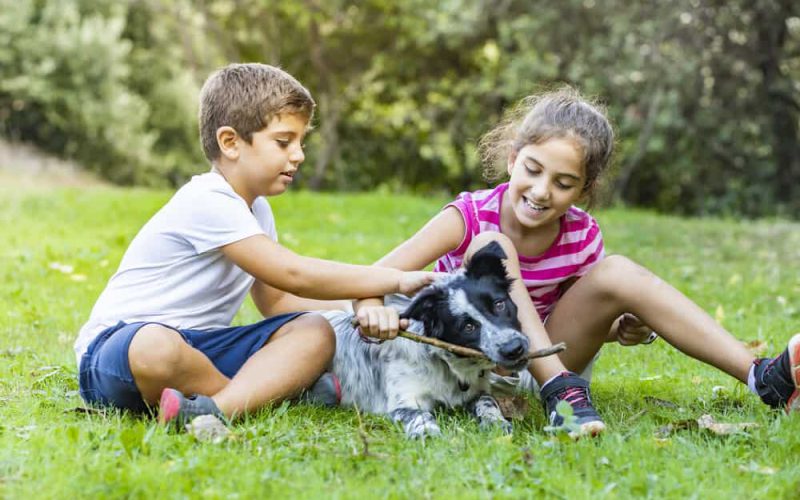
(574, 390)
(175, 408)
(778, 378)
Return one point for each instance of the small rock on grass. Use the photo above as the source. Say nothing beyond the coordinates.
(208, 428)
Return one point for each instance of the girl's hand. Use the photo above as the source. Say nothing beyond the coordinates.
(380, 322)
(412, 281)
(632, 331)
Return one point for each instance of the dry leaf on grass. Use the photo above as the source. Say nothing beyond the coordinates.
(707, 423)
(756, 347)
(721, 429)
(514, 407)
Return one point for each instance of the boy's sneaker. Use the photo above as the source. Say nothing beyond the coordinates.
(326, 391)
(175, 408)
(778, 379)
(569, 387)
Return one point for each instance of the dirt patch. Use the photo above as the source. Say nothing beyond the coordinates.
(24, 165)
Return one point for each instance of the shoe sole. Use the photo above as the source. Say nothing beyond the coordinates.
(589, 429)
(794, 367)
(169, 406)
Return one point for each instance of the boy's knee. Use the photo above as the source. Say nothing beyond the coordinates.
(325, 336)
(316, 332)
(155, 352)
(486, 237)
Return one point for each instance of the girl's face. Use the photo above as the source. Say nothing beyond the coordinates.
(546, 179)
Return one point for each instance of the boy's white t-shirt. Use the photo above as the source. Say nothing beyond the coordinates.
(173, 272)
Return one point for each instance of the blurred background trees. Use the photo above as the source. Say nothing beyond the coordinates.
(705, 94)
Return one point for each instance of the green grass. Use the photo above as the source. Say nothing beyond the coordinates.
(745, 273)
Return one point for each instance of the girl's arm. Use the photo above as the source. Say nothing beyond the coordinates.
(442, 234)
(312, 278)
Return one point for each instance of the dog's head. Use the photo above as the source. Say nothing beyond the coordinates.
(472, 308)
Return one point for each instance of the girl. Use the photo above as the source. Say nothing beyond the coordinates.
(554, 147)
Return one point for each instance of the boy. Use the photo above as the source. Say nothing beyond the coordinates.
(160, 329)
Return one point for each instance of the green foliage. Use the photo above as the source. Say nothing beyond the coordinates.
(60, 246)
(704, 94)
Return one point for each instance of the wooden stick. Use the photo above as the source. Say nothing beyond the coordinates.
(466, 351)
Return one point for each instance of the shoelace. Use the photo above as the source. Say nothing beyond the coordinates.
(577, 397)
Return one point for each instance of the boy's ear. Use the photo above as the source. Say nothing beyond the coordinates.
(488, 262)
(227, 140)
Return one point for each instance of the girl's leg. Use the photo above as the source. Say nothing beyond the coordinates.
(583, 316)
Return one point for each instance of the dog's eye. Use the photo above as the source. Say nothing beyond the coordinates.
(499, 306)
(469, 327)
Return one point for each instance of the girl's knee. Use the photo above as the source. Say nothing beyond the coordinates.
(614, 273)
(486, 237)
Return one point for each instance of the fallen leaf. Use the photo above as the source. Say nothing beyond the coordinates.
(719, 314)
(758, 469)
(514, 407)
(660, 402)
(722, 429)
(756, 347)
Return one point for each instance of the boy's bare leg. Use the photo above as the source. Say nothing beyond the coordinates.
(583, 316)
(295, 356)
(159, 357)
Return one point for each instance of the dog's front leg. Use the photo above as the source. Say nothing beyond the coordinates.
(418, 424)
(486, 410)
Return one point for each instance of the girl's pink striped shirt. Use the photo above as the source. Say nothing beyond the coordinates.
(578, 246)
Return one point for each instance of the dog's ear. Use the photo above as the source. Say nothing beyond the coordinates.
(423, 308)
(488, 263)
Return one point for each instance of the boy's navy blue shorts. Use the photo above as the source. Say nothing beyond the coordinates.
(105, 375)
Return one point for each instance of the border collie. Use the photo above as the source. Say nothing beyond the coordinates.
(407, 380)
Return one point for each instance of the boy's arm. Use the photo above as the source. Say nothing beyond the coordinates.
(271, 301)
(280, 268)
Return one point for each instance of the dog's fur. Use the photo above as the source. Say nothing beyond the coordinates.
(407, 380)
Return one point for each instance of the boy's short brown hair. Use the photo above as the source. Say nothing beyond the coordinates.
(247, 97)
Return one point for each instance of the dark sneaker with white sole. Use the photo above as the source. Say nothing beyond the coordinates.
(778, 378)
(176, 409)
(573, 390)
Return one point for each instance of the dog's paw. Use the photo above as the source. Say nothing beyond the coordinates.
(422, 426)
(502, 424)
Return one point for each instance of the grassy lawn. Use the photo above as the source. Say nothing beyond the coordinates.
(59, 246)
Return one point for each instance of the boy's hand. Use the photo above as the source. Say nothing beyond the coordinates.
(380, 322)
(632, 331)
(411, 282)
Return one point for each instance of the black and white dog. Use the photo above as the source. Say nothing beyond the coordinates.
(407, 380)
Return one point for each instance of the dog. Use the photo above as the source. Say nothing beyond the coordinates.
(406, 380)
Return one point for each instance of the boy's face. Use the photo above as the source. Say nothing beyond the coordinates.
(267, 166)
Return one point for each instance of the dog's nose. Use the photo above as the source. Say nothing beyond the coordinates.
(513, 349)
